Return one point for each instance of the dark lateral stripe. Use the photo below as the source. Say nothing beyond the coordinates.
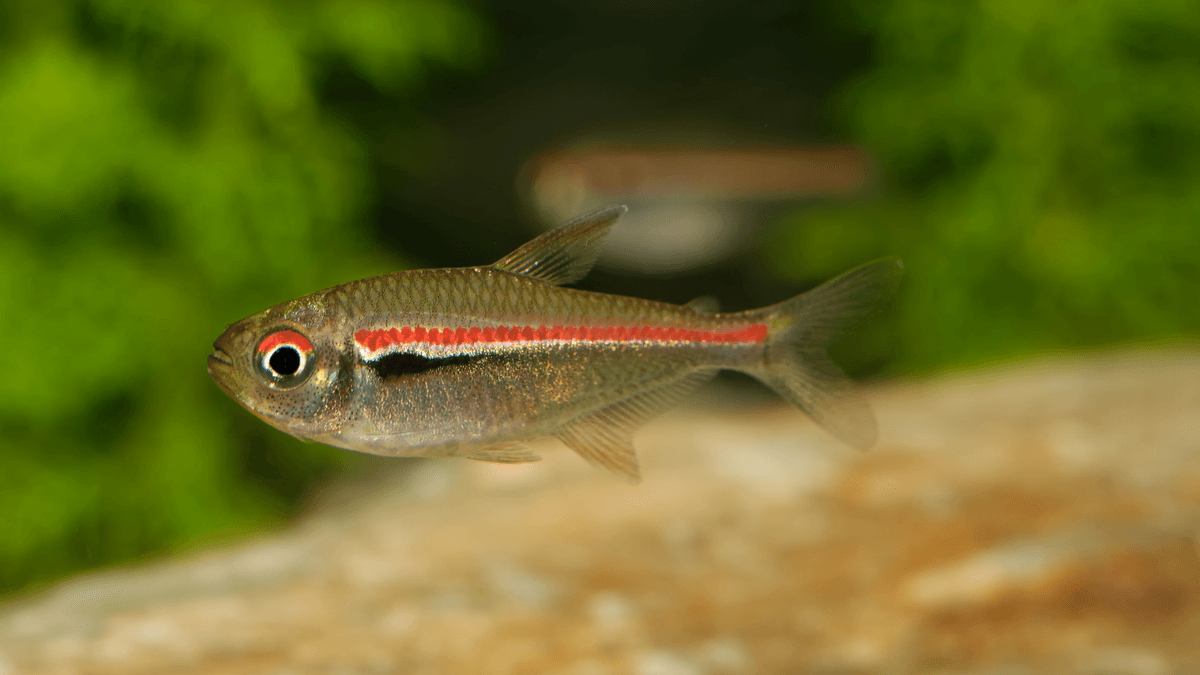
(398, 364)
(375, 340)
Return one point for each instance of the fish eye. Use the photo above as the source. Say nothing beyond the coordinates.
(284, 359)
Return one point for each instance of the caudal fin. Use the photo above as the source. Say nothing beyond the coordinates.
(796, 364)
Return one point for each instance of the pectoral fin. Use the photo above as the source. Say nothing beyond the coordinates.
(504, 452)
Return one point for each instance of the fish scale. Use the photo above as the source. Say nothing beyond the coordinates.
(474, 362)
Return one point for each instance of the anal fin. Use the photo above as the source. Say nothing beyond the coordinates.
(605, 438)
(603, 444)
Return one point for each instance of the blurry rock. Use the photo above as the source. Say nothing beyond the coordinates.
(776, 468)
(994, 573)
(519, 585)
(1124, 661)
(661, 662)
(1036, 519)
(1141, 573)
(613, 617)
(724, 655)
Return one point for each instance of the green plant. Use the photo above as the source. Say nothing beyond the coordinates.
(1041, 175)
(167, 168)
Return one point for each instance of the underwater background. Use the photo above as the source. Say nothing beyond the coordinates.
(169, 168)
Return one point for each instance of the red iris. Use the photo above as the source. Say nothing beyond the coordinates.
(285, 337)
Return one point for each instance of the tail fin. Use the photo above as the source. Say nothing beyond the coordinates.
(796, 364)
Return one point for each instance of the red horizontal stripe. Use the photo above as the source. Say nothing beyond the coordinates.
(374, 340)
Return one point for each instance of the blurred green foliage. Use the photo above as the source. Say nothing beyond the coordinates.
(165, 169)
(1041, 173)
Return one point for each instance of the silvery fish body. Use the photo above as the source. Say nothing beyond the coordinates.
(472, 362)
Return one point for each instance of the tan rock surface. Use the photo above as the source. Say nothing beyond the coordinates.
(1029, 519)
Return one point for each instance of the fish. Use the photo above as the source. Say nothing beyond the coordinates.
(476, 362)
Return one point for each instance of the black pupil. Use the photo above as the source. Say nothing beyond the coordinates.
(285, 361)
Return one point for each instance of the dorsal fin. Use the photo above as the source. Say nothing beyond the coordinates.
(605, 438)
(564, 254)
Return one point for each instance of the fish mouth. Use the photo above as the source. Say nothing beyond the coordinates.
(219, 361)
(220, 356)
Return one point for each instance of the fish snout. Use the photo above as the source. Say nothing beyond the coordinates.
(220, 361)
(219, 365)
